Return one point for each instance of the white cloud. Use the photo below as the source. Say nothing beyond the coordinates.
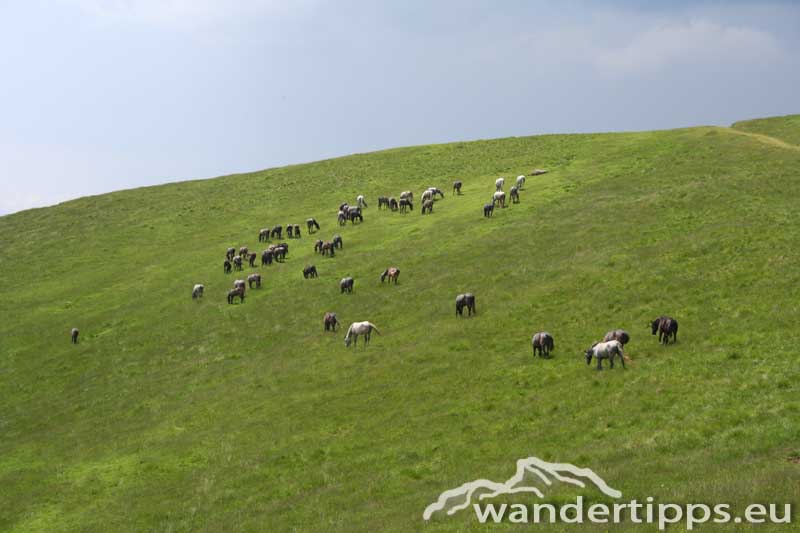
(694, 41)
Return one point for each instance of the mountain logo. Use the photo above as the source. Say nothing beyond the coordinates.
(540, 472)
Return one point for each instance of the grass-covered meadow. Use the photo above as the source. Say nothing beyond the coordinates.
(174, 415)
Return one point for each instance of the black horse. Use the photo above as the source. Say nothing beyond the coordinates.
(310, 272)
(666, 327)
(266, 257)
(465, 300)
(456, 187)
(227, 267)
(277, 231)
(337, 241)
(346, 285)
(311, 224)
(488, 210)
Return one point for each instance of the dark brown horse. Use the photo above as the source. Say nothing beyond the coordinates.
(266, 257)
(393, 205)
(329, 321)
(392, 273)
(252, 257)
(383, 202)
(337, 241)
(405, 203)
(457, 187)
(666, 327)
(310, 271)
(327, 249)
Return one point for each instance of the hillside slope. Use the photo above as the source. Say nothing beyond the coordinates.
(172, 414)
(786, 129)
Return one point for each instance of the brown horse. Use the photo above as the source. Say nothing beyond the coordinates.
(328, 249)
(392, 273)
(329, 321)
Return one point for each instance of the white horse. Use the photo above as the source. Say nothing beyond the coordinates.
(361, 201)
(427, 195)
(197, 291)
(520, 182)
(605, 350)
(359, 328)
(499, 197)
(499, 183)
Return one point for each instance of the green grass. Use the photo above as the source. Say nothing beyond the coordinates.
(175, 415)
(787, 128)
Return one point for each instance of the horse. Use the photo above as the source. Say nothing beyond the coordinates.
(243, 251)
(346, 285)
(230, 253)
(435, 191)
(263, 235)
(427, 195)
(488, 210)
(605, 350)
(252, 257)
(361, 201)
(266, 257)
(337, 241)
(254, 278)
(318, 245)
(498, 184)
(280, 251)
(392, 273)
(226, 267)
(405, 203)
(499, 197)
(354, 213)
(383, 201)
(329, 321)
(240, 284)
(277, 231)
(341, 218)
(457, 187)
(327, 249)
(74, 335)
(311, 224)
(233, 293)
(666, 327)
(543, 343)
(617, 335)
(427, 205)
(520, 181)
(297, 231)
(289, 231)
(393, 204)
(197, 291)
(310, 271)
(465, 300)
(359, 328)
(237, 262)
(407, 195)
(514, 191)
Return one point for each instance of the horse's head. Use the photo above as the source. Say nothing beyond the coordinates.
(347, 341)
(589, 354)
(654, 325)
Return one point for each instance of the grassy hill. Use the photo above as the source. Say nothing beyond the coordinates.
(786, 129)
(174, 415)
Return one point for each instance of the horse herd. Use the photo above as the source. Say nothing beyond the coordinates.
(543, 344)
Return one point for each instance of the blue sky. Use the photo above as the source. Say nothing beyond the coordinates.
(100, 95)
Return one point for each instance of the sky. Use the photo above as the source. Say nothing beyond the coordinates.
(102, 95)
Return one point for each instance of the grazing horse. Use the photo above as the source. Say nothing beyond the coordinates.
(435, 191)
(457, 187)
(359, 328)
(514, 191)
(226, 267)
(197, 291)
(243, 251)
(405, 203)
(392, 273)
(329, 321)
(543, 343)
(318, 245)
(327, 249)
(498, 184)
(310, 271)
(237, 262)
(266, 257)
(407, 195)
(74, 335)
(488, 210)
(289, 231)
(666, 327)
(520, 181)
(311, 224)
(254, 278)
(361, 201)
(233, 293)
(230, 253)
(617, 335)
(346, 285)
(337, 241)
(427, 195)
(605, 350)
(252, 257)
(393, 204)
(263, 235)
(297, 231)
(499, 197)
(277, 231)
(465, 300)
(383, 201)
(354, 213)
(341, 218)
(240, 284)
(427, 205)
(280, 251)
